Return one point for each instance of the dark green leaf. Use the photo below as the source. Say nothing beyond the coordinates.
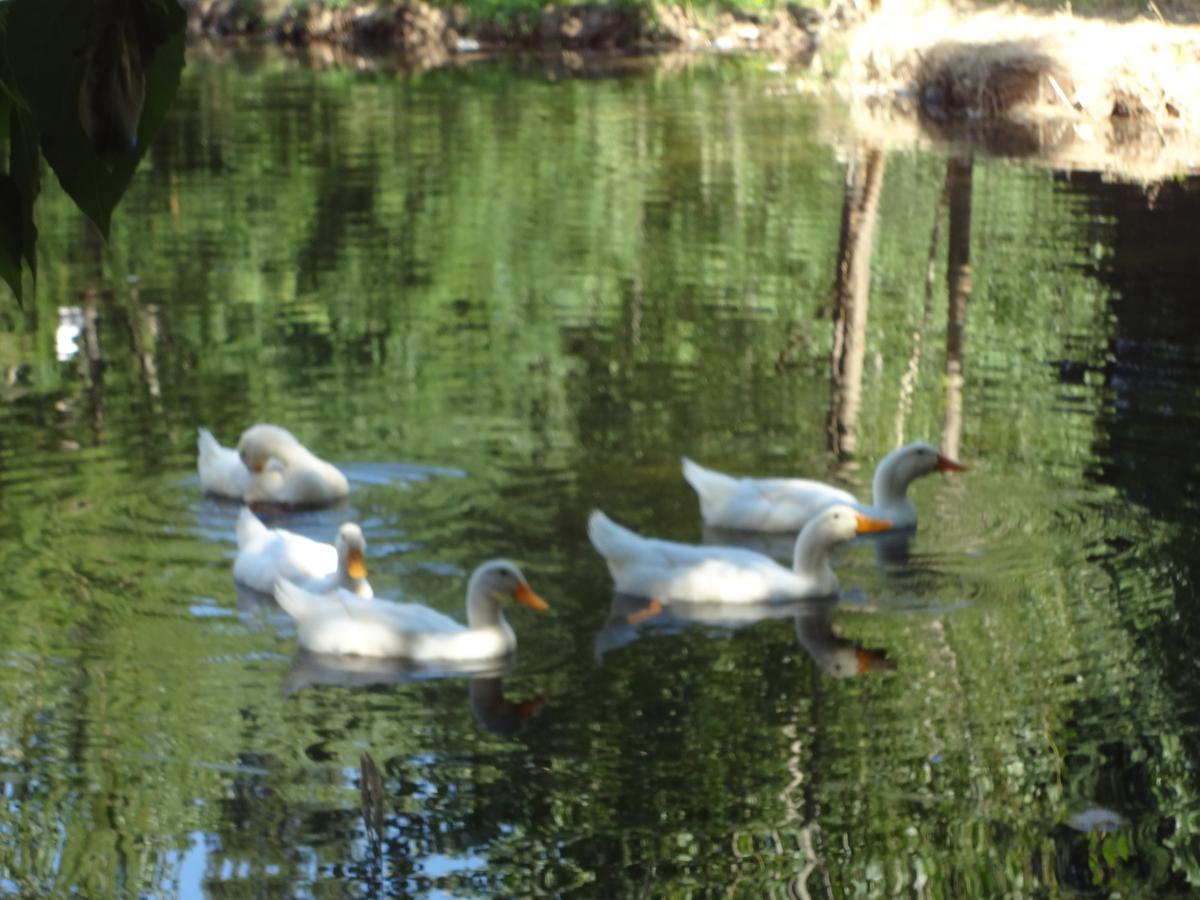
(6, 108)
(11, 239)
(25, 168)
(53, 45)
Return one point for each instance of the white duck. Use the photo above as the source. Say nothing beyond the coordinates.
(269, 466)
(786, 504)
(341, 623)
(268, 554)
(665, 570)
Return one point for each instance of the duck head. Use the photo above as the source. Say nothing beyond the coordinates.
(493, 584)
(261, 443)
(835, 525)
(352, 564)
(902, 467)
(840, 523)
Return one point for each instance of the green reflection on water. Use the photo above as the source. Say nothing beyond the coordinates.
(500, 302)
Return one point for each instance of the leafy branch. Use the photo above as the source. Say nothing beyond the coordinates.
(84, 84)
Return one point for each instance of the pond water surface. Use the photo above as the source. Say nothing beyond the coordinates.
(500, 299)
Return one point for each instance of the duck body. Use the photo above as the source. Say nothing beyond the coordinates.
(269, 466)
(788, 504)
(340, 623)
(299, 479)
(670, 571)
(266, 555)
(759, 504)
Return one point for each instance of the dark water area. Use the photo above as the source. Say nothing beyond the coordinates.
(499, 300)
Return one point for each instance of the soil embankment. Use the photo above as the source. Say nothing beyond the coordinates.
(1078, 92)
(426, 35)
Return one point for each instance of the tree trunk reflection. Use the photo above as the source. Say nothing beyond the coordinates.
(958, 280)
(851, 296)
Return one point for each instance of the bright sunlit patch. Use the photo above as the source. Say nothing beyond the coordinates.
(66, 336)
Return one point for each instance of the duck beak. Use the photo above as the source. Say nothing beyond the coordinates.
(649, 611)
(946, 464)
(529, 707)
(872, 660)
(524, 594)
(865, 524)
(356, 566)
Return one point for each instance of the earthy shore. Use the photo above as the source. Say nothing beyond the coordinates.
(1080, 92)
(426, 35)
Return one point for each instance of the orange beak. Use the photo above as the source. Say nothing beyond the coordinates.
(865, 524)
(945, 464)
(870, 660)
(649, 611)
(356, 566)
(524, 594)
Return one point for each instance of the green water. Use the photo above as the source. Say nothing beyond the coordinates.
(498, 300)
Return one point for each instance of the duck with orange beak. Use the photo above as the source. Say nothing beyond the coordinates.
(667, 571)
(345, 625)
(788, 504)
(267, 554)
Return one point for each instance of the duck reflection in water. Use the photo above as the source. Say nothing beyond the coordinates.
(631, 617)
(836, 655)
(485, 689)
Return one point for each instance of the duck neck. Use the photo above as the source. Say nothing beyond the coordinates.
(286, 453)
(811, 558)
(483, 611)
(357, 586)
(890, 489)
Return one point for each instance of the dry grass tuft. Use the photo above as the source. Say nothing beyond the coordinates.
(1072, 80)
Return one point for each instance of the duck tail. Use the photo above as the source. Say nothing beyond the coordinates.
(612, 541)
(250, 528)
(206, 445)
(711, 487)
